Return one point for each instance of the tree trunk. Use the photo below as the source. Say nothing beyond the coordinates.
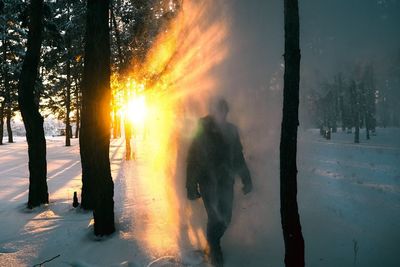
(7, 92)
(357, 115)
(341, 102)
(9, 129)
(355, 110)
(68, 104)
(342, 113)
(357, 128)
(385, 110)
(367, 125)
(1, 122)
(334, 119)
(113, 25)
(68, 89)
(7, 107)
(290, 219)
(128, 137)
(116, 124)
(28, 102)
(5, 85)
(117, 37)
(77, 124)
(98, 186)
(78, 109)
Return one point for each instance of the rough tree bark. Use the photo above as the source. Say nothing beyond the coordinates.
(77, 108)
(8, 122)
(290, 219)
(28, 102)
(98, 186)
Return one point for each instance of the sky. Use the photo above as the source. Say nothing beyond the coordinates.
(334, 35)
(341, 32)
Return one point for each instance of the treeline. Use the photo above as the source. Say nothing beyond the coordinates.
(57, 58)
(57, 86)
(133, 26)
(359, 99)
(349, 104)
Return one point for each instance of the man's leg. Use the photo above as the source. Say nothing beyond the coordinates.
(215, 230)
(219, 217)
(215, 224)
(226, 202)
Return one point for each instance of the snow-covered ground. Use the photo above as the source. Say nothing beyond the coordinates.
(349, 199)
(349, 196)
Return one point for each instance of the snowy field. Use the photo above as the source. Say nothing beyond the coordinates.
(349, 200)
(349, 197)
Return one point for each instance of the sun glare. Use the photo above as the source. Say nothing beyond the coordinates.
(136, 109)
(163, 97)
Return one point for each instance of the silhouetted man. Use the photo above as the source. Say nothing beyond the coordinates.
(215, 158)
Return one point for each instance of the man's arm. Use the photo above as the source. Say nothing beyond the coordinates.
(193, 171)
(240, 165)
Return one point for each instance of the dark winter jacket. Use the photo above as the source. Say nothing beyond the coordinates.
(215, 153)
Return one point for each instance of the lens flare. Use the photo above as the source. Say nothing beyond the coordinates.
(136, 110)
(176, 81)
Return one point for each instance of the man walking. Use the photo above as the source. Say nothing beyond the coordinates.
(215, 158)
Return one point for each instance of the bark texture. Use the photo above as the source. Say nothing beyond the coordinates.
(98, 186)
(290, 219)
(28, 100)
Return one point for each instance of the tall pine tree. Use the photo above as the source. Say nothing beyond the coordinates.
(98, 186)
(290, 219)
(28, 101)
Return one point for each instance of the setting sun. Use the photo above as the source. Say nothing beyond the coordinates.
(136, 109)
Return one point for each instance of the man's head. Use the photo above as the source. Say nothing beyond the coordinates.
(219, 110)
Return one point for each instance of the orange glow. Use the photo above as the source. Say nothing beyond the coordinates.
(166, 95)
(136, 110)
